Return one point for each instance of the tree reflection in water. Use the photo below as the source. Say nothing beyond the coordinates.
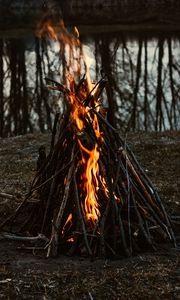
(143, 77)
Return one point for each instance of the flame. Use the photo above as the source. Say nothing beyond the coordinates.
(57, 32)
(91, 182)
(76, 32)
(68, 221)
(79, 112)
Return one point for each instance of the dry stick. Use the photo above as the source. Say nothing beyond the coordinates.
(54, 131)
(146, 178)
(121, 226)
(51, 192)
(161, 213)
(50, 156)
(88, 98)
(139, 181)
(30, 217)
(114, 207)
(79, 84)
(7, 196)
(155, 216)
(55, 239)
(126, 250)
(102, 222)
(115, 131)
(117, 174)
(81, 216)
(13, 237)
(110, 248)
(57, 86)
(147, 203)
(109, 142)
(12, 218)
(105, 121)
(128, 199)
(101, 229)
(156, 196)
(153, 212)
(146, 235)
(113, 203)
(52, 177)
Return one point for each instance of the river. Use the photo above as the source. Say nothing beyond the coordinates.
(142, 69)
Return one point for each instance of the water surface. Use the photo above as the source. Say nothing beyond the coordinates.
(142, 70)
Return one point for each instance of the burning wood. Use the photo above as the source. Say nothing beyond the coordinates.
(90, 196)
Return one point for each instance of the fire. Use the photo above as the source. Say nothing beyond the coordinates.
(57, 32)
(68, 222)
(81, 111)
(91, 182)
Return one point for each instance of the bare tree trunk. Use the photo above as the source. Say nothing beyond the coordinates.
(42, 88)
(96, 57)
(159, 91)
(26, 122)
(1, 90)
(130, 60)
(173, 107)
(106, 63)
(145, 86)
(14, 105)
(136, 88)
(37, 89)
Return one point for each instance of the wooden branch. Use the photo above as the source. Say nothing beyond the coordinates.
(81, 219)
(55, 240)
(13, 237)
(7, 196)
(56, 86)
(139, 181)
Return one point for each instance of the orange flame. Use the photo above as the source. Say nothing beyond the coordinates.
(90, 158)
(68, 221)
(57, 32)
(91, 182)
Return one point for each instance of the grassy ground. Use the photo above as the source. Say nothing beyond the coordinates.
(146, 276)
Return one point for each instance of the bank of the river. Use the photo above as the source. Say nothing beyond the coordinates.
(21, 17)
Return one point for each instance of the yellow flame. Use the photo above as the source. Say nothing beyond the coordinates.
(90, 158)
(76, 32)
(91, 182)
(68, 221)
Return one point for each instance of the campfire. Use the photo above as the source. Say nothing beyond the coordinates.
(90, 195)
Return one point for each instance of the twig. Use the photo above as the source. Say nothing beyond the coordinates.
(54, 132)
(80, 216)
(7, 196)
(13, 237)
(57, 224)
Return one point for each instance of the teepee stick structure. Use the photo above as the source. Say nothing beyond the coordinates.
(90, 195)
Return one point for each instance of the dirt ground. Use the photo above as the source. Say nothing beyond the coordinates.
(146, 276)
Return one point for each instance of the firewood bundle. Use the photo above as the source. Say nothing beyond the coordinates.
(90, 196)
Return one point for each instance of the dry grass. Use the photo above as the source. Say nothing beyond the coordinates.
(147, 276)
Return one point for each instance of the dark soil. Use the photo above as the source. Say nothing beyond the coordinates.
(26, 275)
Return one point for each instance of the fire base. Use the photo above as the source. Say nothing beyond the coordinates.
(130, 216)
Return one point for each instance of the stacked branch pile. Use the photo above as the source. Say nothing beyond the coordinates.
(131, 214)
